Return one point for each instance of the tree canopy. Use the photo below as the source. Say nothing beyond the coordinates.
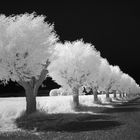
(79, 63)
(74, 63)
(25, 46)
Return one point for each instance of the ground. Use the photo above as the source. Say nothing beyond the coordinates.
(90, 122)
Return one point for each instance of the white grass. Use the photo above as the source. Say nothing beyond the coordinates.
(11, 108)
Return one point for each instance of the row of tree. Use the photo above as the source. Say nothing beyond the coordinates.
(30, 52)
(79, 64)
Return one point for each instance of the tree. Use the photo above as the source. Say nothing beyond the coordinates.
(25, 47)
(129, 86)
(125, 83)
(92, 79)
(72, 64)
(116, 74)
(104, 79)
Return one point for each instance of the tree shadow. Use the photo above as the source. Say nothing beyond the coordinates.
(121, 109)
(120, 103)
(93, 109)
(89, 126)
(71, 122)
(128, 104)
(117, 107)
(135, 100)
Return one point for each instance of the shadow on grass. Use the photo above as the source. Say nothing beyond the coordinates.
(121, 109)
(132, 106)
(90, 126)
(71, 122)
(122, 103)
(125, 104)
(93, 109)
(136, 99)
(133, 102)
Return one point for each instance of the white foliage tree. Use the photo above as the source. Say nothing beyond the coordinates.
(72, 65)
(124, 84)
(136, 90)
(116, 74)
(103, 82)
(132, 87)
(92, 79)
(25, 47)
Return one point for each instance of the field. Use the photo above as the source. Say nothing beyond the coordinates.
(57, 120)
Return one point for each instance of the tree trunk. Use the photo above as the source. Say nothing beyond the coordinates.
(95, 96)
(31, 89)
(123, 95)
(115, 95)
(108, 99)
(107, 95)
(75, 97)
(30, 100)
(120, 95)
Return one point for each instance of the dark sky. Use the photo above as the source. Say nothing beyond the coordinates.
(114, 28)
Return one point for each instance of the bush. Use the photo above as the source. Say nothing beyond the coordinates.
(59, 92)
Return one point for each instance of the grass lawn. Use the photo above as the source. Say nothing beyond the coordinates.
(90, 122)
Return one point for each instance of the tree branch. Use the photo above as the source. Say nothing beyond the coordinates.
(23, 83)
(42, 76)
